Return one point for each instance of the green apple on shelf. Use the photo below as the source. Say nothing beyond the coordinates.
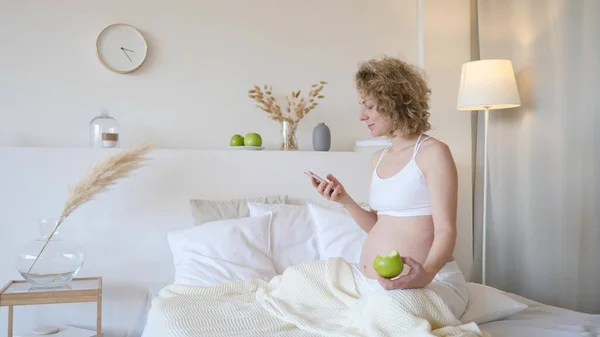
(252, 139)
(236, 140)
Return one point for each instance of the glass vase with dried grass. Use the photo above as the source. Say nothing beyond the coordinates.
(288, 117)
(61, 262)
(288, 136)
(52, 261)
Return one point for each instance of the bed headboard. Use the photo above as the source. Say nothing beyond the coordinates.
(124, 230)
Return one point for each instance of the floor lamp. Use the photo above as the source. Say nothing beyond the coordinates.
(487, 85)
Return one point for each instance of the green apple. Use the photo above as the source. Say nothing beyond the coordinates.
(253, 139)
(388, 266)
(236, 140)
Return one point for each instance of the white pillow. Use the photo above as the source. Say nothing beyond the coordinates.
(293, 236)
(223, 251)
(338, 234)
(204, 210)
(487, 304)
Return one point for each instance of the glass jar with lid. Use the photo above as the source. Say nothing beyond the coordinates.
(104, 131)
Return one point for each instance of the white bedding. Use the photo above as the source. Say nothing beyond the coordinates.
(540, 320)
(317, 298)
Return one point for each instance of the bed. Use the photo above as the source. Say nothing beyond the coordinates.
(537, 320)
(301, 232)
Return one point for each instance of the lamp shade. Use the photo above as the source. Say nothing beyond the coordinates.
(488, 84)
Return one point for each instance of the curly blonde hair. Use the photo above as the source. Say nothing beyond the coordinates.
(400, 91)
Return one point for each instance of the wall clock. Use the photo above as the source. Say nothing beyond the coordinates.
(121, 48)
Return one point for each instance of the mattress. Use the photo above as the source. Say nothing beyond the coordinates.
(139, 325)
(539, 320)
(543, 320)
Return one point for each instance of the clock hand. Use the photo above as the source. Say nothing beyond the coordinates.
(128, 49)
(123, 49)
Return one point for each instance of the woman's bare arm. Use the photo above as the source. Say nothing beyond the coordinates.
(365, 219)
(442, 181)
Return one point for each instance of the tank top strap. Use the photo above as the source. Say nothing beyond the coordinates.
(418, 145)
(381, 156)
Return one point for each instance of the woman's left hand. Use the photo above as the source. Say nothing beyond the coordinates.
(417, 277)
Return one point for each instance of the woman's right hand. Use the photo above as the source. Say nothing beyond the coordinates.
(333, 191)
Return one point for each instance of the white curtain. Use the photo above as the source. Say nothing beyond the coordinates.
(544, 157)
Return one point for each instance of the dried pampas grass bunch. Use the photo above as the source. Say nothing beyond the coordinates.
(297, 107)
(99, 179)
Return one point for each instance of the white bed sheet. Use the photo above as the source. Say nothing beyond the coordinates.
(139, 325)
(539, 320)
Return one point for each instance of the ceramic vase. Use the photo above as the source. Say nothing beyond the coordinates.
(321, 137)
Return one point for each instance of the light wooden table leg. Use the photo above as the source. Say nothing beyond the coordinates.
(99, 321)
(99, 311)
(10, 321)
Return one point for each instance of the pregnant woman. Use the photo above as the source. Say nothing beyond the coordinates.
(413, 191)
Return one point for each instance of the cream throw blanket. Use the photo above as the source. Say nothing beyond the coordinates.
(317, 298)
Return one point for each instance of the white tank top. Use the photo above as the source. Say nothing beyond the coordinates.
(403, 194)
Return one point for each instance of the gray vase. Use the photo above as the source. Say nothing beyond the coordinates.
(321, 137)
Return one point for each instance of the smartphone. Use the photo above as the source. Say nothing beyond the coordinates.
(317, 178)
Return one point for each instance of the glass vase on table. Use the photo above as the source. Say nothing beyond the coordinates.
(49, 261)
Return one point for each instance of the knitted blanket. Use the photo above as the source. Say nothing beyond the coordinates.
(317, 298)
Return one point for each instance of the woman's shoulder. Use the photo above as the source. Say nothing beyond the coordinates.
(431, 144)
(434, 153)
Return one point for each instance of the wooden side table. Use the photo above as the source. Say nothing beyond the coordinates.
(21, 293)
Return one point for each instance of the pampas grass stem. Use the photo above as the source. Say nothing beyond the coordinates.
(99, 179)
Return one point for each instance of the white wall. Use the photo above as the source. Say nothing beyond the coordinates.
(446, 47)
(205, 55)
(203, 58)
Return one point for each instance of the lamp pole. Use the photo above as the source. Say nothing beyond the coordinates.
(485, 185)
(487, 85)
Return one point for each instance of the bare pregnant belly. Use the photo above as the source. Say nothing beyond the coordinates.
(410, 236)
